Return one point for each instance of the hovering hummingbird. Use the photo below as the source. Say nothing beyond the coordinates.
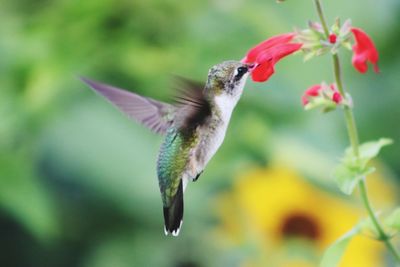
(194, 128)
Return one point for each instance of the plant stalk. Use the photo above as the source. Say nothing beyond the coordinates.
(353, 137)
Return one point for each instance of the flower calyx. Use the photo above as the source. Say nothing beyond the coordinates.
(316, 42)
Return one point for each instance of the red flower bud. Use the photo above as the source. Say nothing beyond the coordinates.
(337, 97)
(312, 91)
(266, 54)
(332, 38)
(322, 90)
(364, 50)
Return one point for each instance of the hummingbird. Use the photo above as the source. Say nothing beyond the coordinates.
(194, 127)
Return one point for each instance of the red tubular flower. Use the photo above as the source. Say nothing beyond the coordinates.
(364, 50)
(266, 54)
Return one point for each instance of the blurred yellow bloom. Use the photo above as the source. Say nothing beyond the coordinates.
(290, 221)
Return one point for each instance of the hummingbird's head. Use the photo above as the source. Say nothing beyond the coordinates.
(228, 78)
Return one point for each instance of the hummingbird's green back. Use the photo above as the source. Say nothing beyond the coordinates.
(172, 160)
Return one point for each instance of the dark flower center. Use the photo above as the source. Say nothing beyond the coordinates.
(300, 226)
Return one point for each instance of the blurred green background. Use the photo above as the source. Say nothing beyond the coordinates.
(78, 184)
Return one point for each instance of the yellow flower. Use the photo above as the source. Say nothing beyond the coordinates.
(276, 210)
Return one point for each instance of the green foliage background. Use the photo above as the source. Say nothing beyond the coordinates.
(77, 179)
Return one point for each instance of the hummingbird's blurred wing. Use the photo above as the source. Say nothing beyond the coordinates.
(155, 115)
(192, 103)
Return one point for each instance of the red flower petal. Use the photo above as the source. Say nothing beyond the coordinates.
(277, 52)
(267, 59)
(359, 61)
(364, 50)
(313, 90)
(262, 72)
(271, 42)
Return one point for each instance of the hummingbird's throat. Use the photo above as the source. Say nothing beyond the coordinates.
(225, 103)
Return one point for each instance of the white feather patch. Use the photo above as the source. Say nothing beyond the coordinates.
(176, 232)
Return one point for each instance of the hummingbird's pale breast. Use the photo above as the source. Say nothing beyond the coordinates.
(212, 133)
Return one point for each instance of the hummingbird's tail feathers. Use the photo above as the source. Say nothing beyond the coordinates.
(155, 115)
(174, 213)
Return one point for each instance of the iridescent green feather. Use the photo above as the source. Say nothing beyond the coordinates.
(172, 161)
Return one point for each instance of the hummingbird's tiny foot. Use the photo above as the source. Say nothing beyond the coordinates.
(197, 176)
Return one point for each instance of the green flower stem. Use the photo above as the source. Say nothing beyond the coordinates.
(382, 235)
(348, 113)
(353, 136)
(321, 17)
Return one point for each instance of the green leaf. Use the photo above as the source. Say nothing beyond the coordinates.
(348, 178)
(308, 55)
(370, 150)
(345, 29)
(334, 253)
(347, 45)
(367, 151)
(336, 26)
(393, 220)
(352, 169)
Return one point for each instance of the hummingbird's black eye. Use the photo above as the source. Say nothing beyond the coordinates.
(239, 72)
